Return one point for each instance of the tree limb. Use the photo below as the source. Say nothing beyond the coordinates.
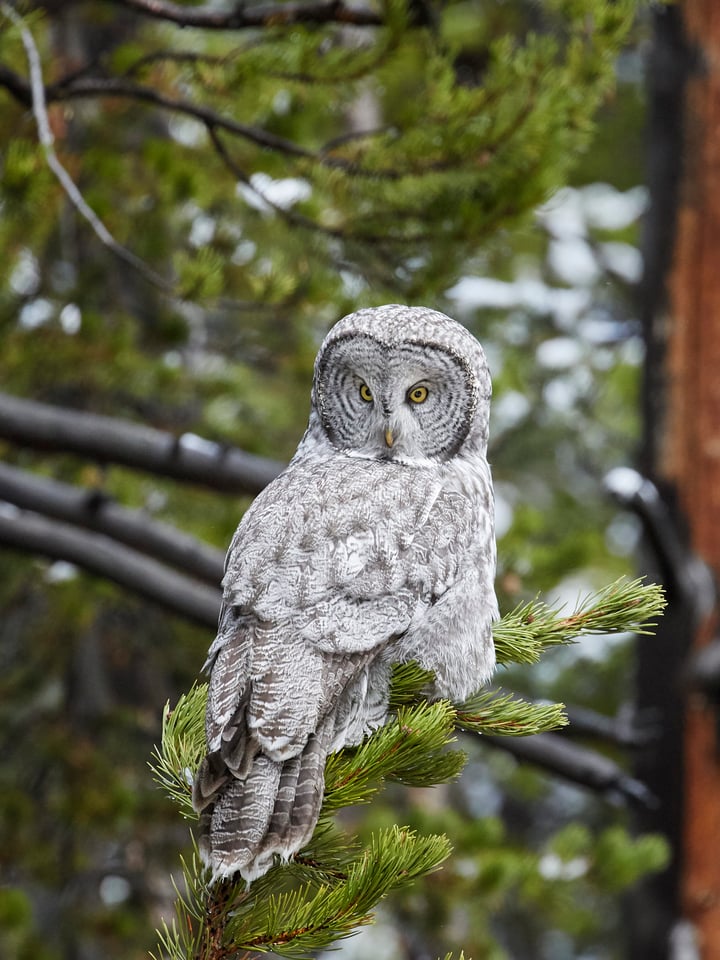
(621, 730)
(104, 557)
(109, 440)
(260, 15)
(577, 764)
(95, 511)
(112, 87)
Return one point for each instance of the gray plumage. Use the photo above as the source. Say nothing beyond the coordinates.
(376, 545)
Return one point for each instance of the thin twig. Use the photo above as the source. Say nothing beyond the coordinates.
(110, 87)
(290, 216)
(47, 142)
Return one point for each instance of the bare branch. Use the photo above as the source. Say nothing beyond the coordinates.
(47, 142)
(112, 87)
(188, 458)
(95, 511)
(577, 764)
(104, 557)
(290, 216)
(621, 729)
(261, 15)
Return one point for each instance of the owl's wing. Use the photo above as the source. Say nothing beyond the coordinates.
(327, 549)
(275, 709)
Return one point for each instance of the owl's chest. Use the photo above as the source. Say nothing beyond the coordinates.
(359, 528)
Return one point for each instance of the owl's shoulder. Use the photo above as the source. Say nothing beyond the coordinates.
(316, 504)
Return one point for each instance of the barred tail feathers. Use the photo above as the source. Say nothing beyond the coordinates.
(272, 810)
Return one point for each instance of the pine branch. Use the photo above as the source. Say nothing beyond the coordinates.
(183, 746)
(353, 776)
(410, 749)
(331, 888)
(293, 924)
(625, 606)
(505, 714)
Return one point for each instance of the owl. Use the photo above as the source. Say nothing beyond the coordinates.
(375, 546)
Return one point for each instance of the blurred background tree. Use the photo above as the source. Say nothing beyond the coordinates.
(236, 179)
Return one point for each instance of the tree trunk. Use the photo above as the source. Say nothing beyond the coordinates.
(681, 307)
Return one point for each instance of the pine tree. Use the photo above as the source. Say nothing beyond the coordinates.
(330, 889)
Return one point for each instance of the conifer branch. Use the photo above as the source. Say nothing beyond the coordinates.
(47, 143)
(182, 749)
(410, 749)
(332, 886)
(505, 714)
(625, 606)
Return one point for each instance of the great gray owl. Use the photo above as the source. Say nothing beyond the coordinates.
(376, 545)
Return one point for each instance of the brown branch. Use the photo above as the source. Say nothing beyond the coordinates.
(106, 558)
(92, 510)
(109, 440)
(262, 15)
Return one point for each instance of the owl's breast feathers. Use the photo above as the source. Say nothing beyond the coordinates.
(339, 567)
(342, 551)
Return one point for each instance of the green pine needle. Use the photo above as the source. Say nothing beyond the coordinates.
(182, 748)
(409, 749)
(504, 714)
(408, 683)
(623, 606)
(294, 924)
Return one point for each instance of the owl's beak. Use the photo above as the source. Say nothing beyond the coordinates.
(389, 439)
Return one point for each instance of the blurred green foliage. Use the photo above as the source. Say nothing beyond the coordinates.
(421, 155)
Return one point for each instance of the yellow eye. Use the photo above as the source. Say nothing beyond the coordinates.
(418, 394)
(365, 393)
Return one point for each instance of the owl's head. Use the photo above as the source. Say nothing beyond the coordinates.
(400, 383)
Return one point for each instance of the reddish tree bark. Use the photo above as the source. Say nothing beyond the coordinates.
(681, 454)
(690, 451)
